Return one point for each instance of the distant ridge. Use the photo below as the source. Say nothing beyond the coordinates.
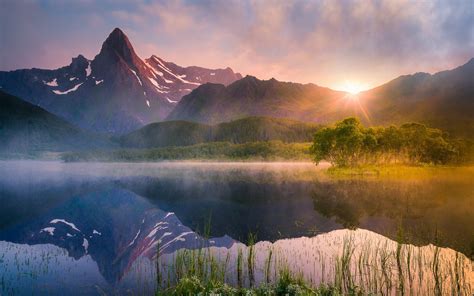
(26, 128)
(244, 130)
(214, 103)
(444, 100)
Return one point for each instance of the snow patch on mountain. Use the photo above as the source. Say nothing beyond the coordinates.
(156, 228)
(167, 70)
(161, 91)
(160, 62)
(154, 71)
(168, 81)
(168, 214)
(153, 81)
(58, 92)
(164, 234)
(138, 78)
(53, 82)
(49, 230)
(135, 238)
(85, 244)
(54, 221)
(178, 238)
(162, 76)
(88, 69)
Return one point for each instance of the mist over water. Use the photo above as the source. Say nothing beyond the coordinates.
(108, 216)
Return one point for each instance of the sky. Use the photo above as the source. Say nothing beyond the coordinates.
(339, 44)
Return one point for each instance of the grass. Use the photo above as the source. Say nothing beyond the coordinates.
(371, 269)
(199, 273)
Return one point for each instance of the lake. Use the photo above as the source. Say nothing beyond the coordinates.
(94, 228)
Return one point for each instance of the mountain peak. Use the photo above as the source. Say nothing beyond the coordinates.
(79, 59)
(117, 39)
(78, 63)
(118, 44)
(117, 31)
(249, 78)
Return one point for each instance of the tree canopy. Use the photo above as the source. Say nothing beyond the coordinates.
(349, 143)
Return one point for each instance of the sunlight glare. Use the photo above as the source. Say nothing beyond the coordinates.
(353, 87)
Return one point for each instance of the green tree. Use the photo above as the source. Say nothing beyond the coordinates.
(341, 145)
(348, 143)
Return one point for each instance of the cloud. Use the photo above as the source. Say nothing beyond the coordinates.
(326, 42)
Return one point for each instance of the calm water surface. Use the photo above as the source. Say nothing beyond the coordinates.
(84, 228)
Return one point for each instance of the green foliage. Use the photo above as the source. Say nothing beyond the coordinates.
(258, 128)
(348, 143)
(271, 150)
(287, 284)
(366, 269)
(189, 286)
(166, 134)
(245, 130)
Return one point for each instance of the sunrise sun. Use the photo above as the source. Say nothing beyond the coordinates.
(352, 87)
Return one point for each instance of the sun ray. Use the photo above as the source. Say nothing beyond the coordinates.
(353, 87)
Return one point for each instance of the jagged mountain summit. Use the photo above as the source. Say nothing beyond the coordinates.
(115, 92)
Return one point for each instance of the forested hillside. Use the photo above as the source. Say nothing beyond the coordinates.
(250, 129)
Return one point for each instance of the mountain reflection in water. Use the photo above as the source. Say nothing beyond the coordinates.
(102, 220)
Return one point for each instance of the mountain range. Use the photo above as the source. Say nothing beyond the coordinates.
(444, 100)
(115, 92)
(118, 93)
